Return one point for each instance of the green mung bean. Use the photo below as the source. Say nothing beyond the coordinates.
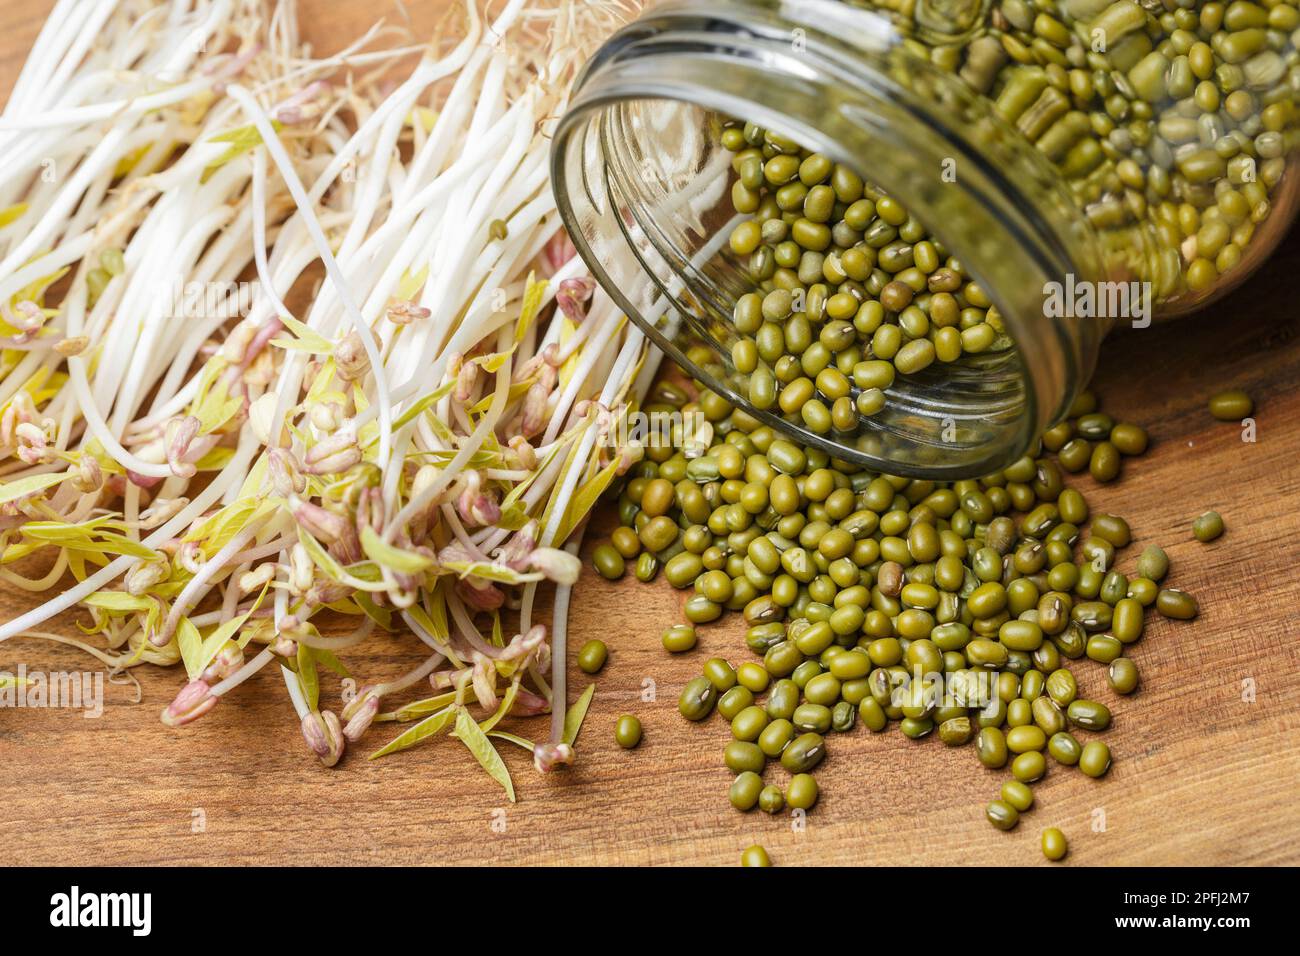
(646, 568)
(1028, 766)
(697, 699)
(1207, 527)
(1122, 675)
(1231, 405)
(801, 793)
(679, 638)
(992, 748)
(1054, 844)
(608, 562)
(755, 856)
(915, 728)
(627, 731)
(1002, 815)
(734, 701)
(1153, 564)
(741, 755)
(1064, 748)
(1143, 590)
(1018, 795)
(771, 800)
(746, 790)
(1176, 604)
(1104, 648)
(749, 724)
(698, 609)
(1088, 714)
(1104, 465)
(1129, 439)
(775, 736)
(814, 718)
(803, 753)
(1095, 759)
(592, 656)
(720, 674)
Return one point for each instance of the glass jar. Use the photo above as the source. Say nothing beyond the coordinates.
(1083, 163)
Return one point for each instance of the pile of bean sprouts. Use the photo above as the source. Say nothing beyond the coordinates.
(208, 473)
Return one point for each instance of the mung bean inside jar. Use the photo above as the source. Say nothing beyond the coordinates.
(901, 229)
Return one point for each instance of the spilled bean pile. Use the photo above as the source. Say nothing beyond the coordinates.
(947, 609)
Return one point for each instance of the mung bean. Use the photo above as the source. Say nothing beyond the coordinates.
(1207, 527)
(627, 731)
(1054, 844)
(1231, 405)
(755, 856)
(592, 656)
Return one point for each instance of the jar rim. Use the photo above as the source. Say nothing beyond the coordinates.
(846, 93)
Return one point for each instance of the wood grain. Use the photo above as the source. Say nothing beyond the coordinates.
(1204, 774)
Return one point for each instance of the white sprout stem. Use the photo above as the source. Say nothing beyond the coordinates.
(80, 116)
(294, 687)
(264, 657)
(559, 650)
(291, 180)
(267, 284)
(411, 677)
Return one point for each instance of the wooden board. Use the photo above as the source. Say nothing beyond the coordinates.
(1204, 774)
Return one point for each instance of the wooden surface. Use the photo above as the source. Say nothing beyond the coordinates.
(1203, 773)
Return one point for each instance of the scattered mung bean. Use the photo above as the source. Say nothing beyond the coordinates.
(608, 562)
(1176, 604)
(755, 856)
(1094, 760)
(1054, 844)
(1002, 814)
(627, 731)
(1207, 527)
(1231, 405)
(592, 656)
(679, 638)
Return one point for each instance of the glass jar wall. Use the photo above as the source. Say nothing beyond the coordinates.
(791, 196)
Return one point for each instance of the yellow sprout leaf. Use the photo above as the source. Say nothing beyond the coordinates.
(12, 213)
(423, 404)
(411, 283)
(472, 736)
(393, 558)
(130, 159)
(491, 572)
(119, 601)
(305, 338)
(21, 487)
(241, 140)
(534, 293)
(577, 713)
(426, 728)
